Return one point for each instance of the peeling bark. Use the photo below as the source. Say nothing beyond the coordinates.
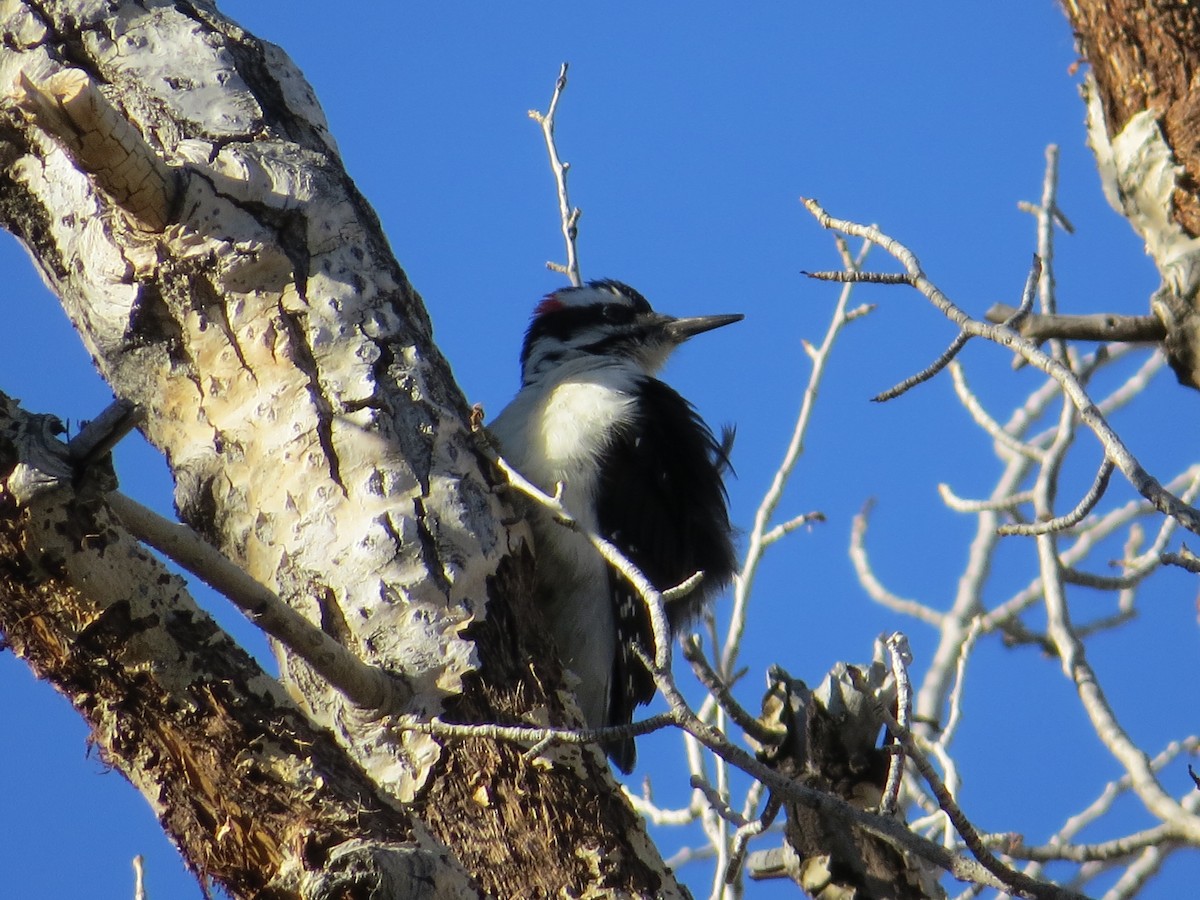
(177, 185)
(1145, 55)
(1144, 126)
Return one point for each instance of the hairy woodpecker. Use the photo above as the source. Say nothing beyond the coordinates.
(637, 466)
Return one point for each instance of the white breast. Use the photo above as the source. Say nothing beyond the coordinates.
(555, 431)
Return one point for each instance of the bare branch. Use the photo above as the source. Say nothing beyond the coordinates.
(1075, 516)
(1089, 413)
(536, 735)
(1094, 327)
(745, 833)
(786, 528)
(139, 874)
(611, 554)
(568, 215)
(900, 656)
(872, 585)
(853, 276)
(693, 653)
(1035, 271)
(1185, 559)
(70, 107)
(104, 432)
(998, 504)
(960, 341)
(981, 418)
(723, 809)
(365, 685)
(1046, 213)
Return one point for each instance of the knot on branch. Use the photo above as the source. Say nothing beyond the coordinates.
(37, 460)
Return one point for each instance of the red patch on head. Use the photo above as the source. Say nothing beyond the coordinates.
(549, 304)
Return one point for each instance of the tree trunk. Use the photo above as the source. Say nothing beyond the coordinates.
(173, 703)
(1144, 124)
(175, 181)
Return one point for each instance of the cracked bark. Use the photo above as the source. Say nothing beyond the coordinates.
(287, 371)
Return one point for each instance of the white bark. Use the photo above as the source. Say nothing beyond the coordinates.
(297, 337)
(1139, 174)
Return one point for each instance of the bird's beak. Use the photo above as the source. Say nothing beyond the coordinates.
(679, 330)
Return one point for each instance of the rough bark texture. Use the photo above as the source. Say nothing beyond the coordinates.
(1144, 124)
(1144, 54)
(174, 704)
(175, 181)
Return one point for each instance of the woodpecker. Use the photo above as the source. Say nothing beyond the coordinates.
(637, 466)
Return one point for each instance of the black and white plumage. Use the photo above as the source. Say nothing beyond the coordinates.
(638, 466)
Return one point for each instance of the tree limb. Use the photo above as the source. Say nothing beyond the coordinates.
(1094, 327)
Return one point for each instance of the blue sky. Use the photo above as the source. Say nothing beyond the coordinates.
(692, 130)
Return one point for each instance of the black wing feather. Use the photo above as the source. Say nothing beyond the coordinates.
(661, 500)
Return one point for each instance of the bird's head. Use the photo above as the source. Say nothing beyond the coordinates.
(605, 319)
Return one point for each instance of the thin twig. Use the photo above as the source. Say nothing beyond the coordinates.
(652, 597)
(1089, 413)
(139, 878)
(717, 802)
(900, 656)
(746, 833)
(1185, 559)
(854, 276)
(997, 504)
(365, 685)
(536, 735)
(1075, 516)
(656, 815)
(872, 585)
(981, 418)
(960, 341)
(1045, 215)
(1032, 280)
(786, 528)
(694, 654)
(568, 215)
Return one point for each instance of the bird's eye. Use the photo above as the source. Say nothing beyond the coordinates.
(617, 313)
